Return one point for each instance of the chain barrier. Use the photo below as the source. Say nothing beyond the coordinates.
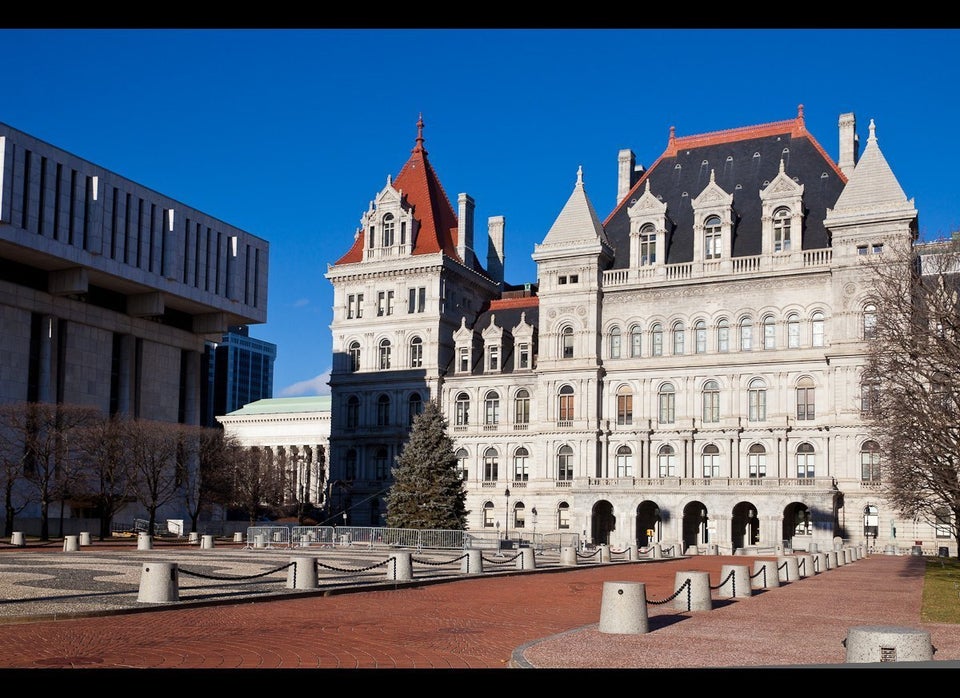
(356, 569)
(762, 570)
(586, 556)
(497, 562)
(686, 585)
(233, 579)
(730, 577)
(433, 563)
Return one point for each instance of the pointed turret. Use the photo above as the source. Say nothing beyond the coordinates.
(578, 221)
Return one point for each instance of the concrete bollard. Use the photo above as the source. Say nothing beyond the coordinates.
(206, 542)
(820, 563)
(657, 551)
(734, 582)
(805, 565)
(696, 597)
(604, 552)
(302, 574)
(144, 542)
(193, 537)
(237, 536)
(473, 562)
(259, 541)
(787, 568)
(867, 644)
(401, 569)
(525, 560)
(713, 549)
(832, 561)
(85, 538)
(632, 553)
(159, 582)
(568, 555)
(764, 575)
(18, 539)
(71, 544)
(623, 608)
(813, 548)
(692, 550)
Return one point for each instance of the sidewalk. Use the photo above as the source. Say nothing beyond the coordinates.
(544, 619)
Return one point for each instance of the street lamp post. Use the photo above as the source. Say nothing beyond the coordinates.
(533, 513)
(506, 526)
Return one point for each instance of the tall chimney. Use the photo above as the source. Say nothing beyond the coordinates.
(495, 226)
(465, 205)
(625, 167)
(849, 144)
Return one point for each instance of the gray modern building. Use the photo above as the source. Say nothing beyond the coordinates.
(240, 371)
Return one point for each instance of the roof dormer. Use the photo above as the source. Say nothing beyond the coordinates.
(712, 224)
(389, 224)
(782, 214)
(493, 347)
(648, 229)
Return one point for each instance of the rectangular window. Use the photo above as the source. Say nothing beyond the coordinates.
(523, 354)
(464, 363)
(667, 408)
(805, 403)
(862, 249)
(381, 303)
(351, 300)
(389, 302)
(878, 248)
(574, 278)
(624, 409)
(562, 280)
(494, 359)
(359, 313)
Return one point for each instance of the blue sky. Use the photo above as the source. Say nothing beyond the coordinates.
(289, 134)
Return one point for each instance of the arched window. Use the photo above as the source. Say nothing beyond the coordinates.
(488, 515)
(756, 400)
(381, 468)
(746, 334)
(491, 408)
(565, 463)
(817, 329)
(781, 230)
(624, 462)
(656, 339)
(711, 401)
(353, 412)
(491, 465)
(521, 459)
(793, 330)
(383, 411)
(871, 521)
(463, 410)
(667, 400)
(648, 244)
(565, 405)
(519, 515)
(667, 461)
(636, 340)
(463, 467)
(870, 462)
(757, 461)
(712, 238)
(384, 354)
(416, 352)
(521, 407)
(711, 460)
(806, 398)
(769, 333)
(350, 465)
(723, 335)
(354, 351)
(624, 405)
(869, 321)
(805, 461)
(566, 342)
(615, 343)
(700, 337)
(387, 230)
(563, 515)
(414, 407)
(679, 337)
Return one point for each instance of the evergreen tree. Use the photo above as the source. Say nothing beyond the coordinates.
(427, 491)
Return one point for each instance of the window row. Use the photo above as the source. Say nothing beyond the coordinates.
(416, 302)
(385, 360)
(518, 516)
(665, 465)
(384, 414)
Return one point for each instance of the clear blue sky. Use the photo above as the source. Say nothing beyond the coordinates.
(289, 134)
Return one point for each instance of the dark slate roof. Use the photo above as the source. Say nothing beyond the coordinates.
(744, 161)
(507, 312)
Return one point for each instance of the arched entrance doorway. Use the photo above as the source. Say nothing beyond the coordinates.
(744, 526)
(694, 525)
(603, 521)
(649, 524)
(797, 523)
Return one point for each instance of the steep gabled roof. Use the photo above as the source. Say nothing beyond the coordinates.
(744, 161)
(872, 185)
(421, 188)
(578, 221)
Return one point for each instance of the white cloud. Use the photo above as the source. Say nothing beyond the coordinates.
(302, 302)
(314, 386)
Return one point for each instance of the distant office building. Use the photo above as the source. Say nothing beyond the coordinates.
(109, 291)
(239, 371)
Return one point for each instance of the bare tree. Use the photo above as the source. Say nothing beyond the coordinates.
(255, 485)
(210, 482)
(107, 458)
(156, 464)
(12, 455)
(47, 433)
(911, 383)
